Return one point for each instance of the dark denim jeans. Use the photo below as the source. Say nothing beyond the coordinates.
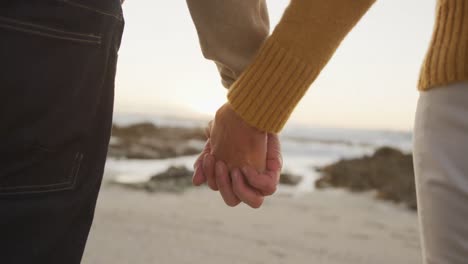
(57, 68)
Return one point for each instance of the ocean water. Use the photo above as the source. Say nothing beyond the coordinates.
(304, 148)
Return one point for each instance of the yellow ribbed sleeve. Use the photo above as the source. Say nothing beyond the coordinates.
(447, 59)
(291, 58)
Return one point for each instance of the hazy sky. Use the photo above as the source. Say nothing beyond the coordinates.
(369, 83)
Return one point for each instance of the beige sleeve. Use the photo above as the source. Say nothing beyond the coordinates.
(230, 32)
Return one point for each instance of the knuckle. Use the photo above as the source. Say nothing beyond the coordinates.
(232, 203)
(259, 183)
(268, 192)
(213, 186)
(222, 184)
(255, 205)
(266, 186)
(236, 186)
(219, 176)
(209, 174)
(272, 189)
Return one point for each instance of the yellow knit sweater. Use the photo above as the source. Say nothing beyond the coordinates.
(307, 36)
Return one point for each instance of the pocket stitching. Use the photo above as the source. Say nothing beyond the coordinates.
(68, 184)
(118, 17)
(40, 30)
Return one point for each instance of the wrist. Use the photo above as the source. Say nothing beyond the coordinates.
(227, 112)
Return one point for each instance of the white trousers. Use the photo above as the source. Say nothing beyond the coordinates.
(441, 167)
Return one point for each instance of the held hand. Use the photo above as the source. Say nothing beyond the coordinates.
(253, 183)
(249, 186)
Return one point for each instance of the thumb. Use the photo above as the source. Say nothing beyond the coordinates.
(208, 129)
(198, 177)
(274, 157)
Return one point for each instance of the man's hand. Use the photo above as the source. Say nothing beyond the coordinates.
(240, 161)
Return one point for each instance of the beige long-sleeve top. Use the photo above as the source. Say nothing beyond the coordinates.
(267, 76)
(231, 32)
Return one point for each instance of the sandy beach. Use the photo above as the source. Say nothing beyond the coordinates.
(331, 226)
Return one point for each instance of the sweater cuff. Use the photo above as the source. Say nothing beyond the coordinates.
(269, 89)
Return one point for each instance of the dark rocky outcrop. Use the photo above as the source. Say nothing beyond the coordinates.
(147, 141)
(388, 171)
(174, 180)
(290, 179)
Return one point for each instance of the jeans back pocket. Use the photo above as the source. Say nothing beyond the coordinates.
(53, 62)
(34, 169)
